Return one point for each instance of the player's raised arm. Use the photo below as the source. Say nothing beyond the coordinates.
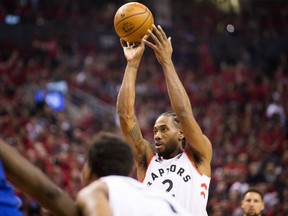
(125, 107)
(198, 143)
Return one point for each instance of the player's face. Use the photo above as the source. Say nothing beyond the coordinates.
(252, 204)
(166, 137)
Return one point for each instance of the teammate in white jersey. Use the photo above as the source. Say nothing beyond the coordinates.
(180, 160)
(109, 189)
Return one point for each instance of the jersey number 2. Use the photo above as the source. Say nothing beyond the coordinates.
(170, 185)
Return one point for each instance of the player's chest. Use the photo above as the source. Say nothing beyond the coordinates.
(172, 169)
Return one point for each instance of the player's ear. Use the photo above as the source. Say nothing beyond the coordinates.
(242, 204)
(87, 174)
(180, 135)
(263, 206)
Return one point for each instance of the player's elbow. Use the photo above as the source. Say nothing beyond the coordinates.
(120, 107)
(124, 112)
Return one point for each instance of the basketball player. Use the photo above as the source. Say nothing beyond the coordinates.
(252, 202)
(110, 191)
(181, 161)
(31, 180)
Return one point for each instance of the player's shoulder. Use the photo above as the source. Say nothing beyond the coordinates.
(92, 188)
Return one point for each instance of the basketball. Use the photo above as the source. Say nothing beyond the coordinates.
(132, 20)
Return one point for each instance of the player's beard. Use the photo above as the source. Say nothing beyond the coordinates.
(163, 154)
(167, 151)
(253, 214)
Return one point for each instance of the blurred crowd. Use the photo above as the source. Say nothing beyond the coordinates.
(234, 66)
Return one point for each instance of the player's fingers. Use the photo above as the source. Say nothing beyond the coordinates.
(145, 37)
(153, 36)
(158, 33)
(162, 33)
(123, 43)
(148, 43)
(170, 43)
(135, 44)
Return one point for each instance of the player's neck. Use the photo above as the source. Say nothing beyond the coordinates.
(171, 156)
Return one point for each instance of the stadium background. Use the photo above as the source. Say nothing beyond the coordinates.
(61, 65)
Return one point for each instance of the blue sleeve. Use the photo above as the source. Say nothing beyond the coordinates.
(8, 200)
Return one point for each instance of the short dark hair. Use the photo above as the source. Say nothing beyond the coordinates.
(109, 154)
(173, 115)
(255, 190)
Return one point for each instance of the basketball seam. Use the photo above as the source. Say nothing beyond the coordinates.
(138, 26)
(134, 15)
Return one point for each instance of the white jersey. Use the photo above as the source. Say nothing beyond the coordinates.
(129, 197)
(179, 177)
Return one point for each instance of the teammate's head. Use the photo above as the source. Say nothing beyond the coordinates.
(168, 135)
(108, 154)
(252, 202)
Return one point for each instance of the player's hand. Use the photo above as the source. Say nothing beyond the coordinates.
(133, 51)
(162, 45)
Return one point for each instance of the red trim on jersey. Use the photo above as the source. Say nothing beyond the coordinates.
(192, 162)
(147, 167)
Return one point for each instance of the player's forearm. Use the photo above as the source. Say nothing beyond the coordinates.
(126, 96)
(17, 168)
(178, 96)
(52, 197)
(62, 204)
(31, 180)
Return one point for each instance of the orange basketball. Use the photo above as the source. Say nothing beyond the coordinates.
(132, 20)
